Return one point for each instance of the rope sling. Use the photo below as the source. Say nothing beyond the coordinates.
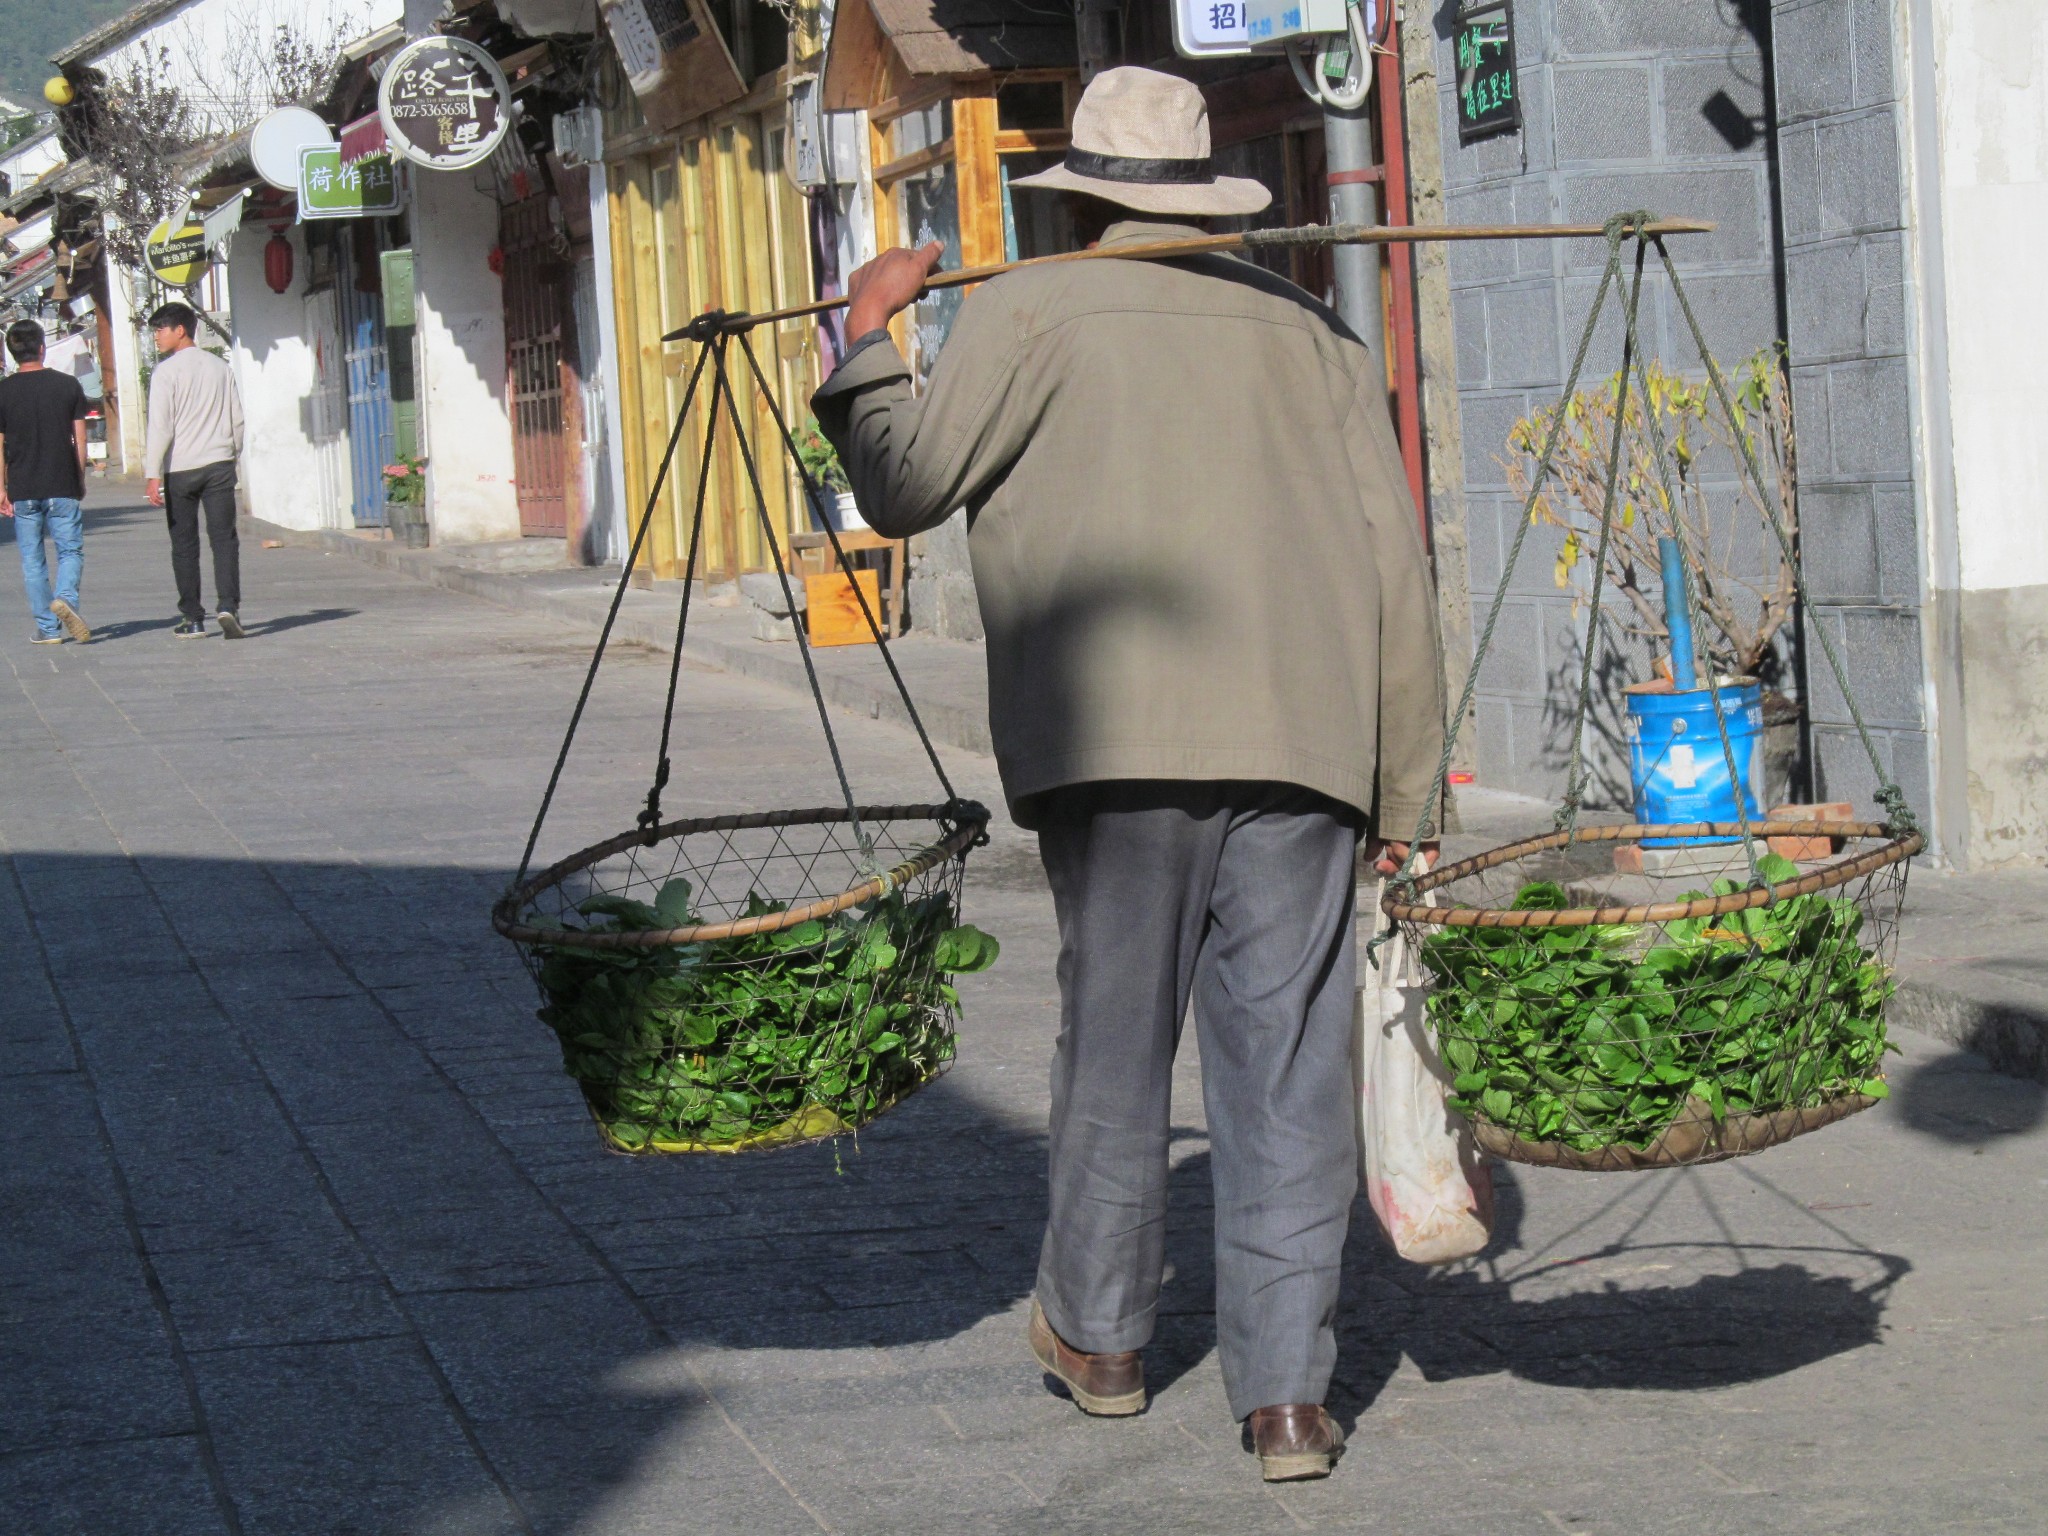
(754, 980)
(732, 983)
(1596, 1023)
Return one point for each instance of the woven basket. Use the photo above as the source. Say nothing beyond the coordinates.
(803, 993)
(1627, 1021)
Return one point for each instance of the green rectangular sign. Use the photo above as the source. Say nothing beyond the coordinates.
(1489, 97)
(370, 188)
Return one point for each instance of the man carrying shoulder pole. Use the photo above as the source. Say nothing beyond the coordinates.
(42, 481)
(195, 433)
(1213, 666)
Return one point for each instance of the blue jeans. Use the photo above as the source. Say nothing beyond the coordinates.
(60, 516)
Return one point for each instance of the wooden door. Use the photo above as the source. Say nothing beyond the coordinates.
(538, 378)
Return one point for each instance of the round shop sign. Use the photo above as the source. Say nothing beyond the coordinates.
(444, 103)
(176, 252)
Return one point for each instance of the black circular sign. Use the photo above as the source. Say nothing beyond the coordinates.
(444, 103)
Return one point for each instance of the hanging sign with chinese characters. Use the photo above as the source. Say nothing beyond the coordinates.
(444, 103)
(176, 252)
(1489, 100)
(363, 189)
(1209, 29)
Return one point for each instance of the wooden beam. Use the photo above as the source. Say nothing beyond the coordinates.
(910, 165)
(1031, 141)
(979, 183)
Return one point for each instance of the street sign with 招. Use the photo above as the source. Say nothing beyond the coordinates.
(330, 190)
(444, 103)
(1489, 97)
(176, 251)
(1209, 29)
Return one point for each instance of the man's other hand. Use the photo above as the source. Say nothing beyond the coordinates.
(154, 490)
(6, 507)
(1386, 856)
(886, 285)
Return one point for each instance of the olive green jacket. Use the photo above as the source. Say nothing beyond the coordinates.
(1193, 541)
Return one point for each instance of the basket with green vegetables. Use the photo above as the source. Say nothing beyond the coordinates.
(1666, 1038)
(697, 1014)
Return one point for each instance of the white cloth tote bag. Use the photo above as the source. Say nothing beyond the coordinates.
(1423, 1173)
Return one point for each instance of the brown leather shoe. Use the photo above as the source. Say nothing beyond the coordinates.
(1295, 1440)
(1109, 1385)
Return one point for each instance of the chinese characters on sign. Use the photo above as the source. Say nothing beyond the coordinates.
(176, 253)
(444, 103)
(1488, 100)
(1205, 29)
(366, 188)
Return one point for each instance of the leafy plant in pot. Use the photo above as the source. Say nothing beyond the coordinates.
(1745, 588)
(820, 461)
(405, 500)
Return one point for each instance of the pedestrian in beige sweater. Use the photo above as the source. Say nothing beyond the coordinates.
(195, 433)
(1213, 666)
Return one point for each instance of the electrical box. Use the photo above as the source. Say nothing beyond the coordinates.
(579, 136)
(1272, 24)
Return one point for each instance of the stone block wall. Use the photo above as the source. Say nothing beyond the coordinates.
(1620, 100)
(1661, 104)
(1845, 303)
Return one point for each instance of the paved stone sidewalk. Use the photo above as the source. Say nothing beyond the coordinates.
(305, 1232)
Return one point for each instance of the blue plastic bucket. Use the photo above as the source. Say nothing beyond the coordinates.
(1676, 762)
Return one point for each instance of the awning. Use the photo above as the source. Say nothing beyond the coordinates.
(363, 138)
(27, 271)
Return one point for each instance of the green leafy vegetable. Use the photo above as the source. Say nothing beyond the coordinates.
(1600, 1036)
(796, 1031)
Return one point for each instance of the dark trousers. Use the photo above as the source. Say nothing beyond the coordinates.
(1239, 897)
(186, 491)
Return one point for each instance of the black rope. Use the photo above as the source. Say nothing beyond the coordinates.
(839, 553)
(788, 597)
(1898, 815)
(650, 817)
(1567, 816)
(604, 636)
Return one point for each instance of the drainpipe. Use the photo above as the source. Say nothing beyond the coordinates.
(1353, 179)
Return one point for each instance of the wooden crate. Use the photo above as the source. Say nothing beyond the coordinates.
(833, 611)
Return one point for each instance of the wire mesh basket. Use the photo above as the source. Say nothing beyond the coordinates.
(1601, 1020)
(753, 981)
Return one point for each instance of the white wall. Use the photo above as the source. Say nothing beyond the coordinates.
(1977, 173)
(126, 455)
(273, 361)
(461, 329)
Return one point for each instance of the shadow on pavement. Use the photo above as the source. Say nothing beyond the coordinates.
(325, 1082)
(1959, 1098)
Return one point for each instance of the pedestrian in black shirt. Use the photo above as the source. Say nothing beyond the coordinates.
(42, 481)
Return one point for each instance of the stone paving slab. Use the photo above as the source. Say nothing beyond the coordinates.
(305, 1231)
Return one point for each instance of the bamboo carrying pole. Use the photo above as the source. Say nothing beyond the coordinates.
(1205, 245)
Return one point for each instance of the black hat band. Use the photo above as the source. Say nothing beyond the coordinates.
(1197, 172)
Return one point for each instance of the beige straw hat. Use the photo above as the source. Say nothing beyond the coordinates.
(1141, 139)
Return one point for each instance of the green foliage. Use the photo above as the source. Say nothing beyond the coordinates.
(819, 458)
(1599, 1036)
(719, 1043)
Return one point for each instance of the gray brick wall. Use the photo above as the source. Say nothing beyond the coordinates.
(1616, 100)
(1613, 95)
(1838, 129)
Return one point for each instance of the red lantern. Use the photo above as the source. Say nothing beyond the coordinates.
(277, 263)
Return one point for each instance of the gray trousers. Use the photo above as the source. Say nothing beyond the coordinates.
(1240, 897)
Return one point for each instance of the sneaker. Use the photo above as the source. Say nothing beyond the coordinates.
(190, 629)
(68, 616)
(230, 626)
(47, 640)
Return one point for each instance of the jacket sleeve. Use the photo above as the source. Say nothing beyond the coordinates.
(156, 448)
(1411, 693)
(913, 460)
(235, 409)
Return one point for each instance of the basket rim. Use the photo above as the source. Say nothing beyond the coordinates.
(969, 822)
(1896, 848)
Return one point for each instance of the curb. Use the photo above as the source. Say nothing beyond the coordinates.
(948, 724)
(2010, 1034)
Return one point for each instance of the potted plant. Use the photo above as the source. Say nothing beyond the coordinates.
(1743, 584)
(405, 501)
(823, 472)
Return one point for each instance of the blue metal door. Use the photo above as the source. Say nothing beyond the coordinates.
(368, 360)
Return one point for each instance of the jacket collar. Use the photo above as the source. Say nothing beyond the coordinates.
(1146, 232)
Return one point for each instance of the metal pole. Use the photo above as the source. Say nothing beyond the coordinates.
(1355, 199)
